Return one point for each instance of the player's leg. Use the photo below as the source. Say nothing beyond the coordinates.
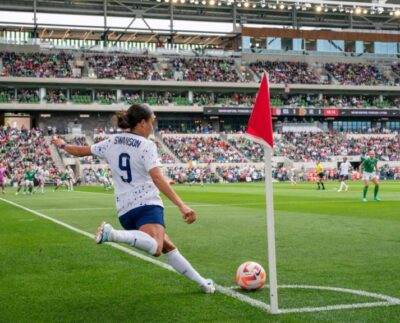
(144, 229)
(3, 185)
(366, 185)
(376, 189)
(182, 266)
(341, 181)
(322, 181)
(318, 182)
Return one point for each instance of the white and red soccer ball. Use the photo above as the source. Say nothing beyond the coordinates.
(250, 276)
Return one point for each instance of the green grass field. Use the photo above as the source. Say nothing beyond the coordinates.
(324, 238)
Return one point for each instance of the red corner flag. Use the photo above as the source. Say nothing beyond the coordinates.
(260, 122)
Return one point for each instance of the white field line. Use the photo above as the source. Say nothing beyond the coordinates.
(221, 289)
(229, 291)
(165, 206)
(386, 300)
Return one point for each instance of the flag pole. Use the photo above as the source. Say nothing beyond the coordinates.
(273, 284)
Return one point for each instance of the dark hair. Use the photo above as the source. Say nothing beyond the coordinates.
(134, 115)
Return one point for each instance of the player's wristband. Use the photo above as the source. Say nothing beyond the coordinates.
(62, 146)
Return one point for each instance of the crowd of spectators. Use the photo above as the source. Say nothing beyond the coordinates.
(203, 150)
(106, 97)
(36, 64)
(250, 149)
(307, 147)
(342, 101)
(192, 175)
(224, 99)
(28, 96)
(7, 95)
(356, 74)
(127, 67)
(56, 96)
(23, 147)
(286, 72)
(203, 70)
(242, 173)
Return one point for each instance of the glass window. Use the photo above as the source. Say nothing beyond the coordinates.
(298, 44)
(274, 43)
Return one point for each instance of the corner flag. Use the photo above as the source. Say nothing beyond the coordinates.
(259, 129)
(260, 122)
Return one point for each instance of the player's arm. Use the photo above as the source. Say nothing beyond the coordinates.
(360, 167)
(187, 213)
(78, 151)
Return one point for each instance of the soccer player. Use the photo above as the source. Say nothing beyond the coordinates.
(70, 179)
(61, 179)
(369, 166)
(41, 178)
(344, 169)
(3, 175)
(29, 174)
(320, 175)
(293, 177)
(138, 181)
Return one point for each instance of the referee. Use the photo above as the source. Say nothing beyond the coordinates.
(320, 176)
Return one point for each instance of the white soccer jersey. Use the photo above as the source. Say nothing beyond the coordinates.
(344, 168)
(131, 157)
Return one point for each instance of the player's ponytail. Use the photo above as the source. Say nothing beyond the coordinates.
(135, 114)
(122, 120)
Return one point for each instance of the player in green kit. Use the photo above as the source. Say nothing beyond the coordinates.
(61, 180)
(29, 174)
(369, 167)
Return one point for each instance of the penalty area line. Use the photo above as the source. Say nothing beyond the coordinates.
(223, 290)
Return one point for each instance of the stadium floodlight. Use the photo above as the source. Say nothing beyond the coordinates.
(212, 2)
(318, 8)
(239, 4)
(246, 4)
(365, 11)
(254, 5)
(397, 13)
(183, 1)
(358, 11)
(281, 6)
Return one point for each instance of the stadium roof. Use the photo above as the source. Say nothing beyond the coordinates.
(345, 14)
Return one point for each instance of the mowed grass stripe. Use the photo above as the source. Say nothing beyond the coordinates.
(313, 247)
(225, 291)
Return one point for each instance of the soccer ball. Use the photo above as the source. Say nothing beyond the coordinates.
(250, 276)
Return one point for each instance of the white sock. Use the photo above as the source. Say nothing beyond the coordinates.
(181, 265)
(341, 186)
(135, 238)
(344, 184)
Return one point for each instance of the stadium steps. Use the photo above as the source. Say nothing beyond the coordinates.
(251, 76)
(54, 154)
(166, 149)
(224, 137)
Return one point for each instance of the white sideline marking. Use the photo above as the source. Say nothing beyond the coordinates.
(387, 300)
(221, 289)
(165, 206)
(229, 291)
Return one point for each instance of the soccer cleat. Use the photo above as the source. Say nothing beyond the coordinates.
(339, 191)
(377, 199)
(365, 200)
(103, 231)
(209, 287)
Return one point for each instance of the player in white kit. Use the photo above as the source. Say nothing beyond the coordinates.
(344, 170)
(138, 180)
